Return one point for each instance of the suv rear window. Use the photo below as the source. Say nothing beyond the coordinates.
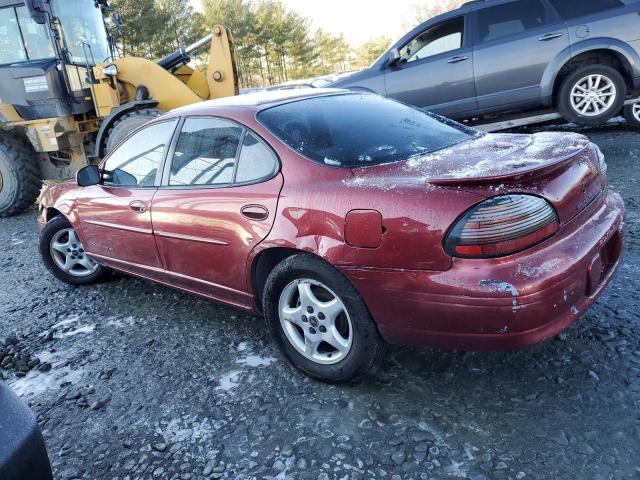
(569, 10)
(510, 19)
(359, 129)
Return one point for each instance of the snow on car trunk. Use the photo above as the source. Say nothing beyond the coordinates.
(564, 168)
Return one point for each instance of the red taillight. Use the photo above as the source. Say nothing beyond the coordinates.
(501, 226)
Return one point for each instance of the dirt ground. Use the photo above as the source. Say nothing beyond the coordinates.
(134, 380)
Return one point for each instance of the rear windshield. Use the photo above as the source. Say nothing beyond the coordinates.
(356, 130)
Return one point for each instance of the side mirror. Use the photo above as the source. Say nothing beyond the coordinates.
(394, 57)
(87, 176)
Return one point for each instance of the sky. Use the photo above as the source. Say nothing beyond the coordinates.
(358, 20)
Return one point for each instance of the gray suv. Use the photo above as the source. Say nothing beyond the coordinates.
(498, 56)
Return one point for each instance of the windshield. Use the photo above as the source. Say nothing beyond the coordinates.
(357, 130)
(22, 39)
(82, 24)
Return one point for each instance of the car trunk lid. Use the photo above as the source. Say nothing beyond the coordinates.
(561, 167)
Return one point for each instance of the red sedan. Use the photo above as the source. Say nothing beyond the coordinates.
(346, 219)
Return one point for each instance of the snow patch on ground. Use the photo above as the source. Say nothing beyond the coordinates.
(79, 330)
(229, 381)
(256, 361)
(36, 383)
(120, 322)
(180, 430)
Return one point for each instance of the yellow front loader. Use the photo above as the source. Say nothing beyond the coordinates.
(65, 101)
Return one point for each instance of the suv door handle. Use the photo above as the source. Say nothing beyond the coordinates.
(254, 212)
(138, 206)
(459, 58)
(550, 36)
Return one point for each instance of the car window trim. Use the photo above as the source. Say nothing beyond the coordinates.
(552, 19)
(164, 182)
(158, 179)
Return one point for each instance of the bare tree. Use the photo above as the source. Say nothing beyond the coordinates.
(427, 9)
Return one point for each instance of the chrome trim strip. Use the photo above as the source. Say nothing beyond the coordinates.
(116, 226)
(190, 238)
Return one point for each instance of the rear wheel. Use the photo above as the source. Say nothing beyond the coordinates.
(592, 95)
(632, 114)
(64, 256)
(127, 124)
(319, 320)
(20, 180)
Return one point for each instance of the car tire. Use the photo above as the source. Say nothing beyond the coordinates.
(82, 270)
(357, 335)
(598, 108)
(632, 114)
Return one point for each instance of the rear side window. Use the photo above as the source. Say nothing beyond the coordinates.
(206, 152)
(514, 18)
(569, 10)
(135, 163)
(256, 161)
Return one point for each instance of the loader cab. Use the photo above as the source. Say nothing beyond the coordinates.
(47, 49)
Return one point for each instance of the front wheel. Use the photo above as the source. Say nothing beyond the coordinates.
(632, 114)
(592, 95)
(319, 320)
(64, 256)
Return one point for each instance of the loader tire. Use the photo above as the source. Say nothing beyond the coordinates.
(20, 179)
(127, 124)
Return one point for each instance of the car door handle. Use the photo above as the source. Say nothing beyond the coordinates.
(138, 206)
(459, 58)
(550, 36)
(254, 212)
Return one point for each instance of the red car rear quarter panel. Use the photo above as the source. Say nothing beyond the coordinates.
(523, 298)
(316, 200)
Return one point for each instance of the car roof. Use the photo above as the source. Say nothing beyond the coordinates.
(258, 100)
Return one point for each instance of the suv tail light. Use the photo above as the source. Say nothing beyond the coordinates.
(501, 226)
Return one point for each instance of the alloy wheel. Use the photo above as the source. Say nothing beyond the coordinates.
(315, 321)
(69, 255)
(593, 95)
(635, 109)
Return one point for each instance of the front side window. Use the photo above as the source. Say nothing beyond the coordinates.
(570, 10)
(514, 18)
(206, 152)
(442, 38)
(21, 38)
(135, 162)
(357, 130)
(85, 35)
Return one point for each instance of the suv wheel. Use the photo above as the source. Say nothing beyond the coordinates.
(319, 320)
(632, 114)
(63, 254)
(592, 95)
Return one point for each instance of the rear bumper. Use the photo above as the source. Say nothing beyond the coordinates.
(499, 304)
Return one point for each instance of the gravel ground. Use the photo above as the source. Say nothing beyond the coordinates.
(134, 380)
